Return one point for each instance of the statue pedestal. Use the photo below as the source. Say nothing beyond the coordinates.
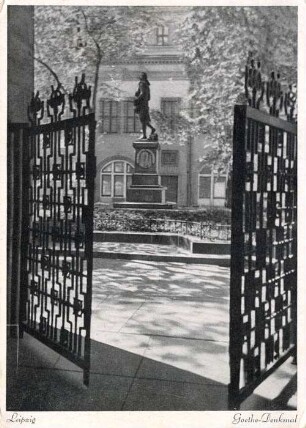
(146, 190)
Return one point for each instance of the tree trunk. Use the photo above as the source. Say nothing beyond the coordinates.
(96, 83)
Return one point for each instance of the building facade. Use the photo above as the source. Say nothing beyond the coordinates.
(189, 182)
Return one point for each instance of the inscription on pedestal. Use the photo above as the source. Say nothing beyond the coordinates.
(147, 194)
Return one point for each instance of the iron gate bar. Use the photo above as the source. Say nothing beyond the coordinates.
(89, 244)
(263, 118)
(237, 259)
(57, 240)
(248, 123)
(16, 139)
(24, 228)
(62, 125)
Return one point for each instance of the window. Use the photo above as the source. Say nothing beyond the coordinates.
(109, 116)
(162, 35)
(106, 185)
(205, 187)
(115, 178)
(170, 109)
(194, 110)
(131, 122)
(212, 187)
(219, 187)
(79, 41)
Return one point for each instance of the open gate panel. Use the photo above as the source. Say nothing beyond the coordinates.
(56, 280)
(264, 249)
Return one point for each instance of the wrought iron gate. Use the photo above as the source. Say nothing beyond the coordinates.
(263, 282)
(56, 274)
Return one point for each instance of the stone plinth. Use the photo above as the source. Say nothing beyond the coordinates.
(145, 190)
(146, 156)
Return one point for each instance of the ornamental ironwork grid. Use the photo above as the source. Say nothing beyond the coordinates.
(263, 284)
(59, 173)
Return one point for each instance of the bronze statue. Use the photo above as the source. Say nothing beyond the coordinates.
(141, 106)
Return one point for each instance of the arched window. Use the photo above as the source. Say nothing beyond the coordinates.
(116, 176)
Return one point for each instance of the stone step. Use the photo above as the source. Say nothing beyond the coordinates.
(152, 252)
(144, 205)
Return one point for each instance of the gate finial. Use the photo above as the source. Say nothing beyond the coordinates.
(274, 94)
(81, 92)
(56, 102)
(275, 100)
(36, 105)
(254, 87)
(290, 103)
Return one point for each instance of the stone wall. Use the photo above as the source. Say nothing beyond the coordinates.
(20, 87)
(20, 61)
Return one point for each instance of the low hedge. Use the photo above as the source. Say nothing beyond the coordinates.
(139, 220)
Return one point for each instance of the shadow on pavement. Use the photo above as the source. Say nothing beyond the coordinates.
(46, 382)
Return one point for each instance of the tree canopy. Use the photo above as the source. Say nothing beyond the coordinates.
(72, 40)
(216, 42)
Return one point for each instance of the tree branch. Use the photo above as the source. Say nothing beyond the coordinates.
(98, 60)
(51, 71)
(90, 33)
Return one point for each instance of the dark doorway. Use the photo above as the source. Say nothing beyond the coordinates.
(171, 182)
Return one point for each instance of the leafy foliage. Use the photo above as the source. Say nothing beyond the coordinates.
(216, 42)
(179, 133)
(107, 34)
(214, 215)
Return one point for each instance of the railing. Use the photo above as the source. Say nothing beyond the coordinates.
(201, 230)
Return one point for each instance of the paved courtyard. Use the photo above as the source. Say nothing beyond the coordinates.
(157, 253)
(159, 342)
